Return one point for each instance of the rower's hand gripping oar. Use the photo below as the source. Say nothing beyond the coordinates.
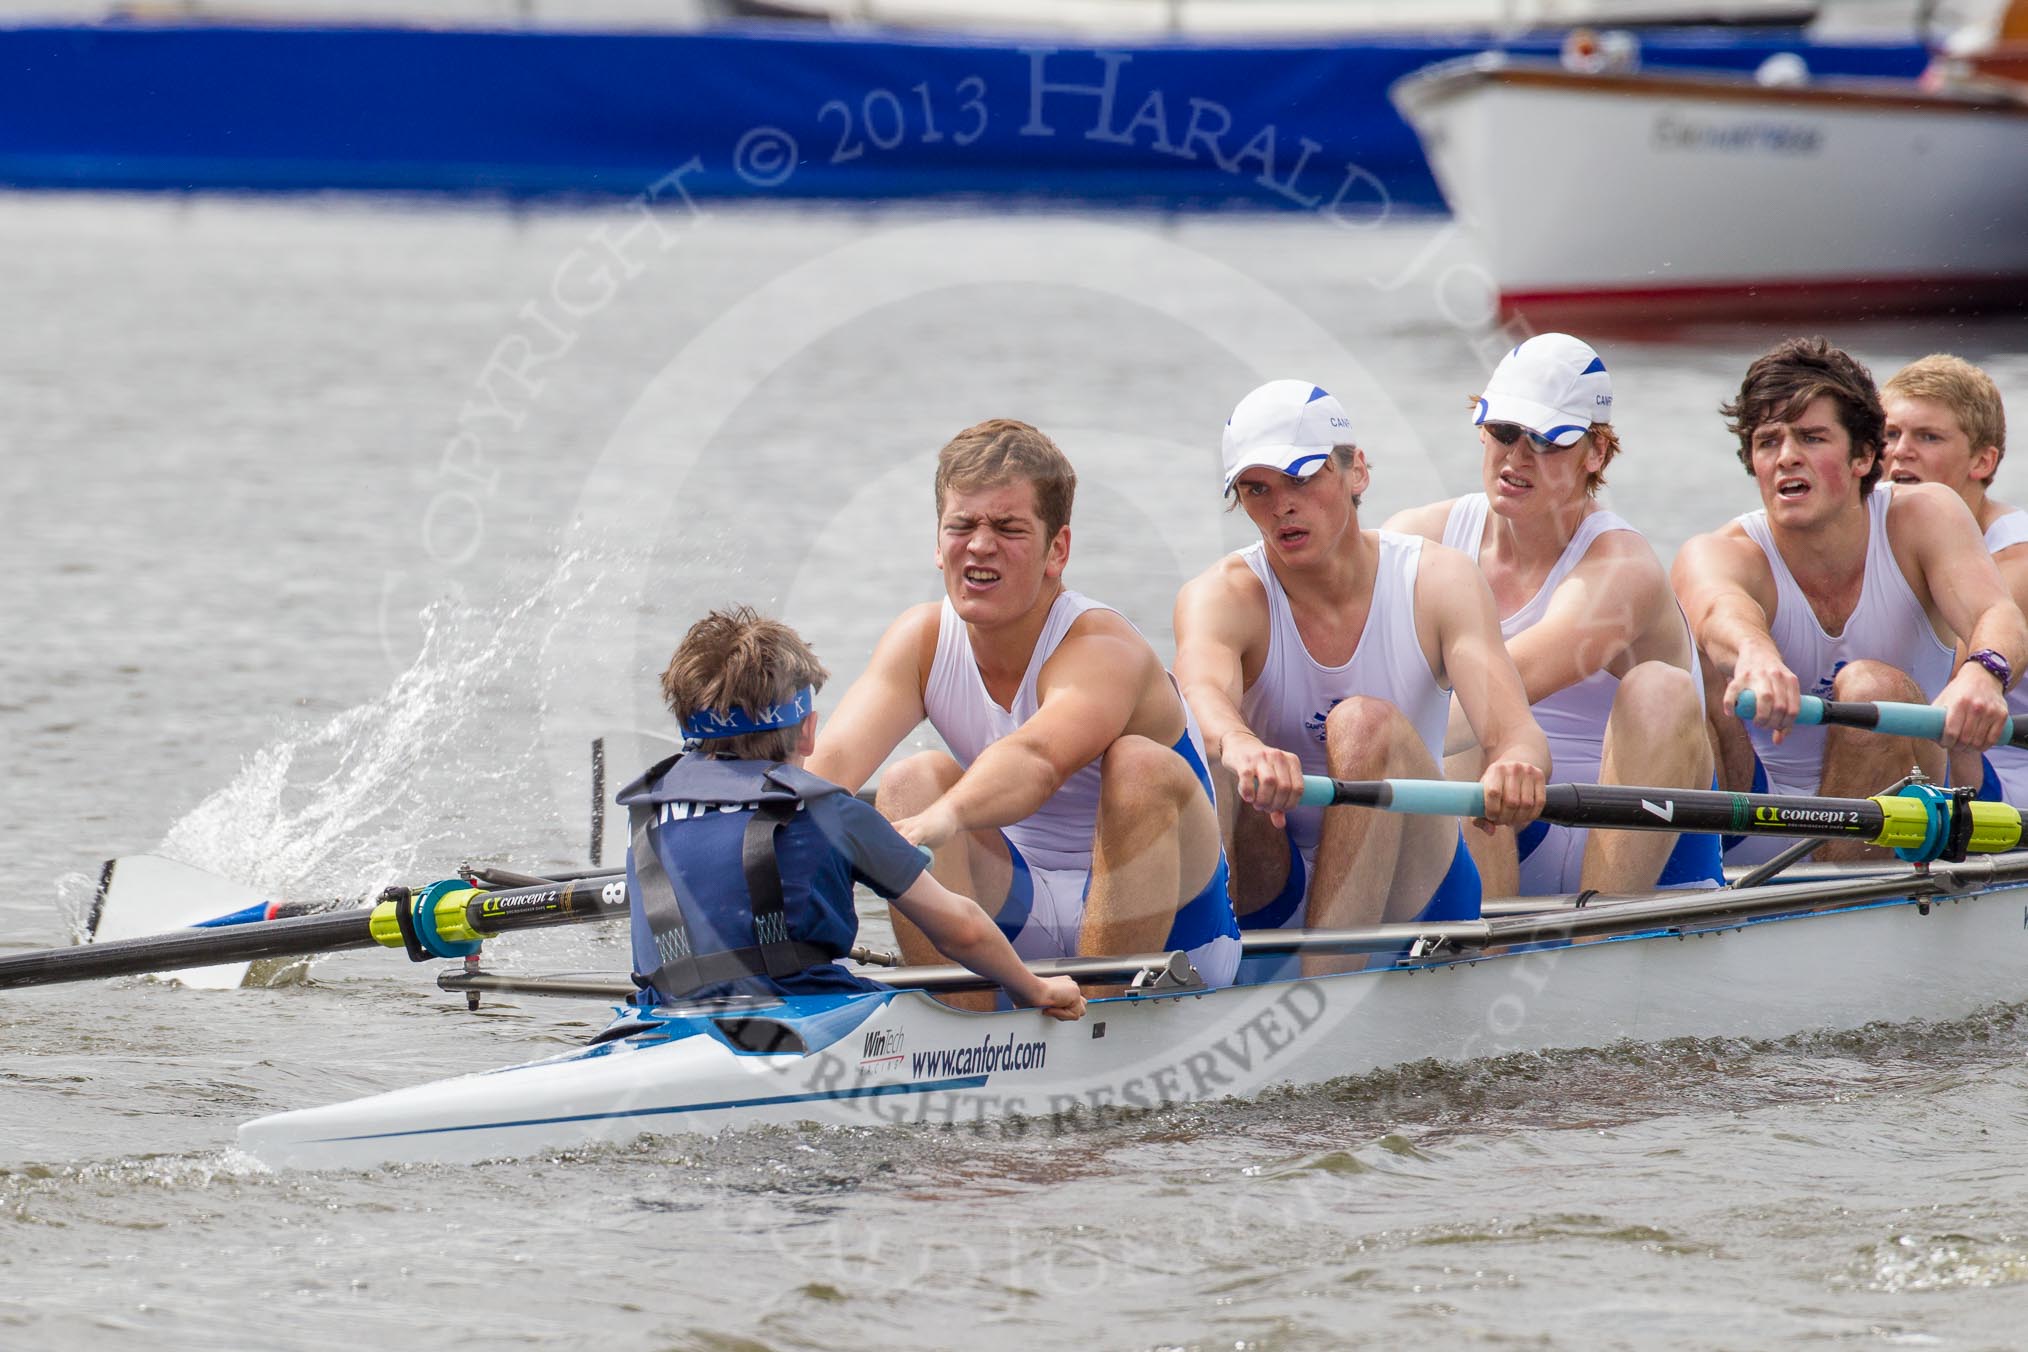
(1919, 823)
(1884, 716)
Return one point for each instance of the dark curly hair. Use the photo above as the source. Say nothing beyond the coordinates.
(1783, 381)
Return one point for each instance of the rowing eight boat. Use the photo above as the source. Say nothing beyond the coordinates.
(1932, 938)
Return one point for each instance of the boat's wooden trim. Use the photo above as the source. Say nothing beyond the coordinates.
(1830, 96)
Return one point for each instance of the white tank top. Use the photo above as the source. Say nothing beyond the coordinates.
(1287, 703)
(2008, 531)
(1058, 834)
(1573, 718)
(1888, 625)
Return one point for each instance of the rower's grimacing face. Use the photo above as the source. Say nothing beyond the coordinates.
(994, 552)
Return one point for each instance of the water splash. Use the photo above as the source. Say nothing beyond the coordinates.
(1948, 1262)
(436, 770)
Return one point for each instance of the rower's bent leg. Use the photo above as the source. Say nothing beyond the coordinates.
(1155, 848)
(1496, 853)
(1858, 763)
(1656, 734)
(1257, 851)
(975, 865)
(1375, 867)
(1731, 747)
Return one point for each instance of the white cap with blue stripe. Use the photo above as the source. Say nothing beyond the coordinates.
(1553, 385)
(1285, 425)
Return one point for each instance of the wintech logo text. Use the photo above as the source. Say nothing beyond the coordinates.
(989, 1056)
(882, 1044)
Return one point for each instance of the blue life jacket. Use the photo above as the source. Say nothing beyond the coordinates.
(741, 874)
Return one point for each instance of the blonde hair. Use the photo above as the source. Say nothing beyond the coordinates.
(1000, 450)
(739, 659)
(1968, 392)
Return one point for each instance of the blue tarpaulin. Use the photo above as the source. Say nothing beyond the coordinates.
(754, 112)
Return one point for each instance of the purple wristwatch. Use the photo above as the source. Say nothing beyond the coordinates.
(2002, 671)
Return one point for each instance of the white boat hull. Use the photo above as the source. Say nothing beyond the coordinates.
(1715, 193)
(906, 1059)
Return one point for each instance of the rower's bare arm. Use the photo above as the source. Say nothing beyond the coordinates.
(1428, 521)
(1487, 686)
(965, 934)
(1965, 584)
(1727, 592)
(2013, 565)
(1599, 614)
(1222, 621)
(1088, 692)
(882, 706)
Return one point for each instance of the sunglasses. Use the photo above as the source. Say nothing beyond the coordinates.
(1507, 434)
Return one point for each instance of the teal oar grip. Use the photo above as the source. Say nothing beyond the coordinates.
(1923, 720)
(1436, 798)
(1892, 718)
(1811, 710)
(1427, 797)
(1913, 720)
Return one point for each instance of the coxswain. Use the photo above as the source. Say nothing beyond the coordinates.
(741, 864)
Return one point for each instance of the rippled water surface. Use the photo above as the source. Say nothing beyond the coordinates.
(334, 531)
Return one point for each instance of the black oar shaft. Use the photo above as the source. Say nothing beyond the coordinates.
(1898, 821)
(1612, 806)
(198, 948)
(483, 914)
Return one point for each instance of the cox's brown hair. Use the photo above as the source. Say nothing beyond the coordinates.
(738, 658)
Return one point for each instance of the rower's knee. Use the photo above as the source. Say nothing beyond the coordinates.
(909, 786)
(1658, 696)
(1137, 774)
(1870, 680)
(1367, 738)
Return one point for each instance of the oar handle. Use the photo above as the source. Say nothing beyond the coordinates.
(1885, 716)
(1424, 797)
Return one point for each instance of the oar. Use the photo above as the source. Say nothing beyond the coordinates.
(1916, 823)
(445, 920)
(145, 896)
(1886, 716)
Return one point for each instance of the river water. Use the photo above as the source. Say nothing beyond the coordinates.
(335, 530)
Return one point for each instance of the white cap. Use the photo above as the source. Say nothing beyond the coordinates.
(1553, 385)
(1286, 425)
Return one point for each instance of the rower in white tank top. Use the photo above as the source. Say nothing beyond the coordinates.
(1058, 834)
(1287, 703)
(1051, 848)
(1887, 625)
(1573, 718)
(2008, 765)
